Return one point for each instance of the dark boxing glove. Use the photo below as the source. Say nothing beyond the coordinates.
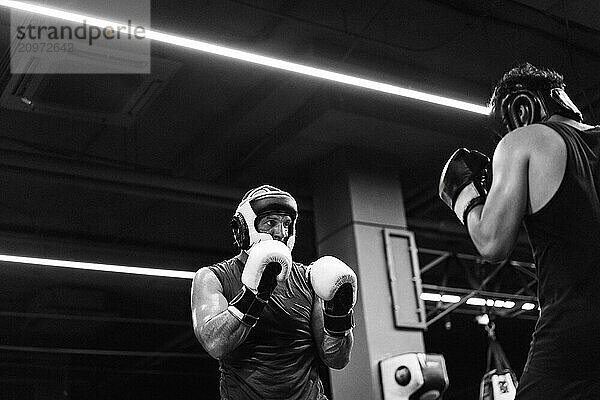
(465, 181)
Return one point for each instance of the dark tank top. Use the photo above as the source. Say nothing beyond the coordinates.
(278, 359)
(565, 239)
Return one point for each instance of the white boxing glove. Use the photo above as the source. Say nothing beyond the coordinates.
(270, 256)
(268, 262)
(335, 283)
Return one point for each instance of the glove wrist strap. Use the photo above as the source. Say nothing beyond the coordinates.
(338, 325)
(247, 307)
(471, 205)
(471, 196)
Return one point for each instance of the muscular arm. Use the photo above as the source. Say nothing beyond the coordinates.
(216, 328)
(494, 226)
(333, 350)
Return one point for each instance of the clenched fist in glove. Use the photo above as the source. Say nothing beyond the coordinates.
(335, 283)
(465, 181)
(268, 262)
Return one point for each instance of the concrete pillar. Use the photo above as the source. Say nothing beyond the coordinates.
(356, 201)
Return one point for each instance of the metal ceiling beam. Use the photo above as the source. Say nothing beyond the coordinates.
(95, 318)
(517, 14)
(96, 352)
(175, 343)
(213, 137)
(311, 109)
(126, 181)
(119, 180)
(185, 162)
(465, 294)
(35, 365)
(471, 257)
(524, 17)
(472, 293)
(486, 293)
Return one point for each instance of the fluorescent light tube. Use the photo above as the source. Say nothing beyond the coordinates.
(450, 298)
(528, 306)
(476, 301)
(431, 296)
(257, 59)
(169, 273)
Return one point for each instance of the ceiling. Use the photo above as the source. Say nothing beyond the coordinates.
(146, 169)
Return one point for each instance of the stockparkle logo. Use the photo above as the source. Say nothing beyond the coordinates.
(81, 32)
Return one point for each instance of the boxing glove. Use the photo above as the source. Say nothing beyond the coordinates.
(268, 262)
(465, 181)
(335, 283)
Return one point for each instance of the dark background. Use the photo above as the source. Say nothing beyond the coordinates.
(146, 170)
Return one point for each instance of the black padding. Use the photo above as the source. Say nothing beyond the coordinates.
(336, 325)
(268, 280)
(241, 235)
(249, 304)
(274, 204)
(522, 108)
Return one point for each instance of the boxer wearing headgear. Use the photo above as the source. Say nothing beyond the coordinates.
(255, 204)
(268, 319)
(546, 175)
(527, 96)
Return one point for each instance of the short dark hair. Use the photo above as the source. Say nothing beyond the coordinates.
(525, 76)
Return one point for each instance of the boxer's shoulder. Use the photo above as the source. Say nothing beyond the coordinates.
(223, 276)
(207, 277)
(527, 141)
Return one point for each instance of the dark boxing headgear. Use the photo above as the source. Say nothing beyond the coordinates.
(257, 203)
(527, 95)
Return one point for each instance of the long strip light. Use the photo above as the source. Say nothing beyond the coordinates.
(475, 301)
(169, 273)
(257, 59)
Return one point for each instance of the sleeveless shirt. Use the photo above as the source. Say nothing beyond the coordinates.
(278, 359)
(565, 240)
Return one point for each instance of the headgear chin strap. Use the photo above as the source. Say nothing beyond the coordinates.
(257, 203)
(523, 107)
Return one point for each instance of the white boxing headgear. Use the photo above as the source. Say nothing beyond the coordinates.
(257, 203)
